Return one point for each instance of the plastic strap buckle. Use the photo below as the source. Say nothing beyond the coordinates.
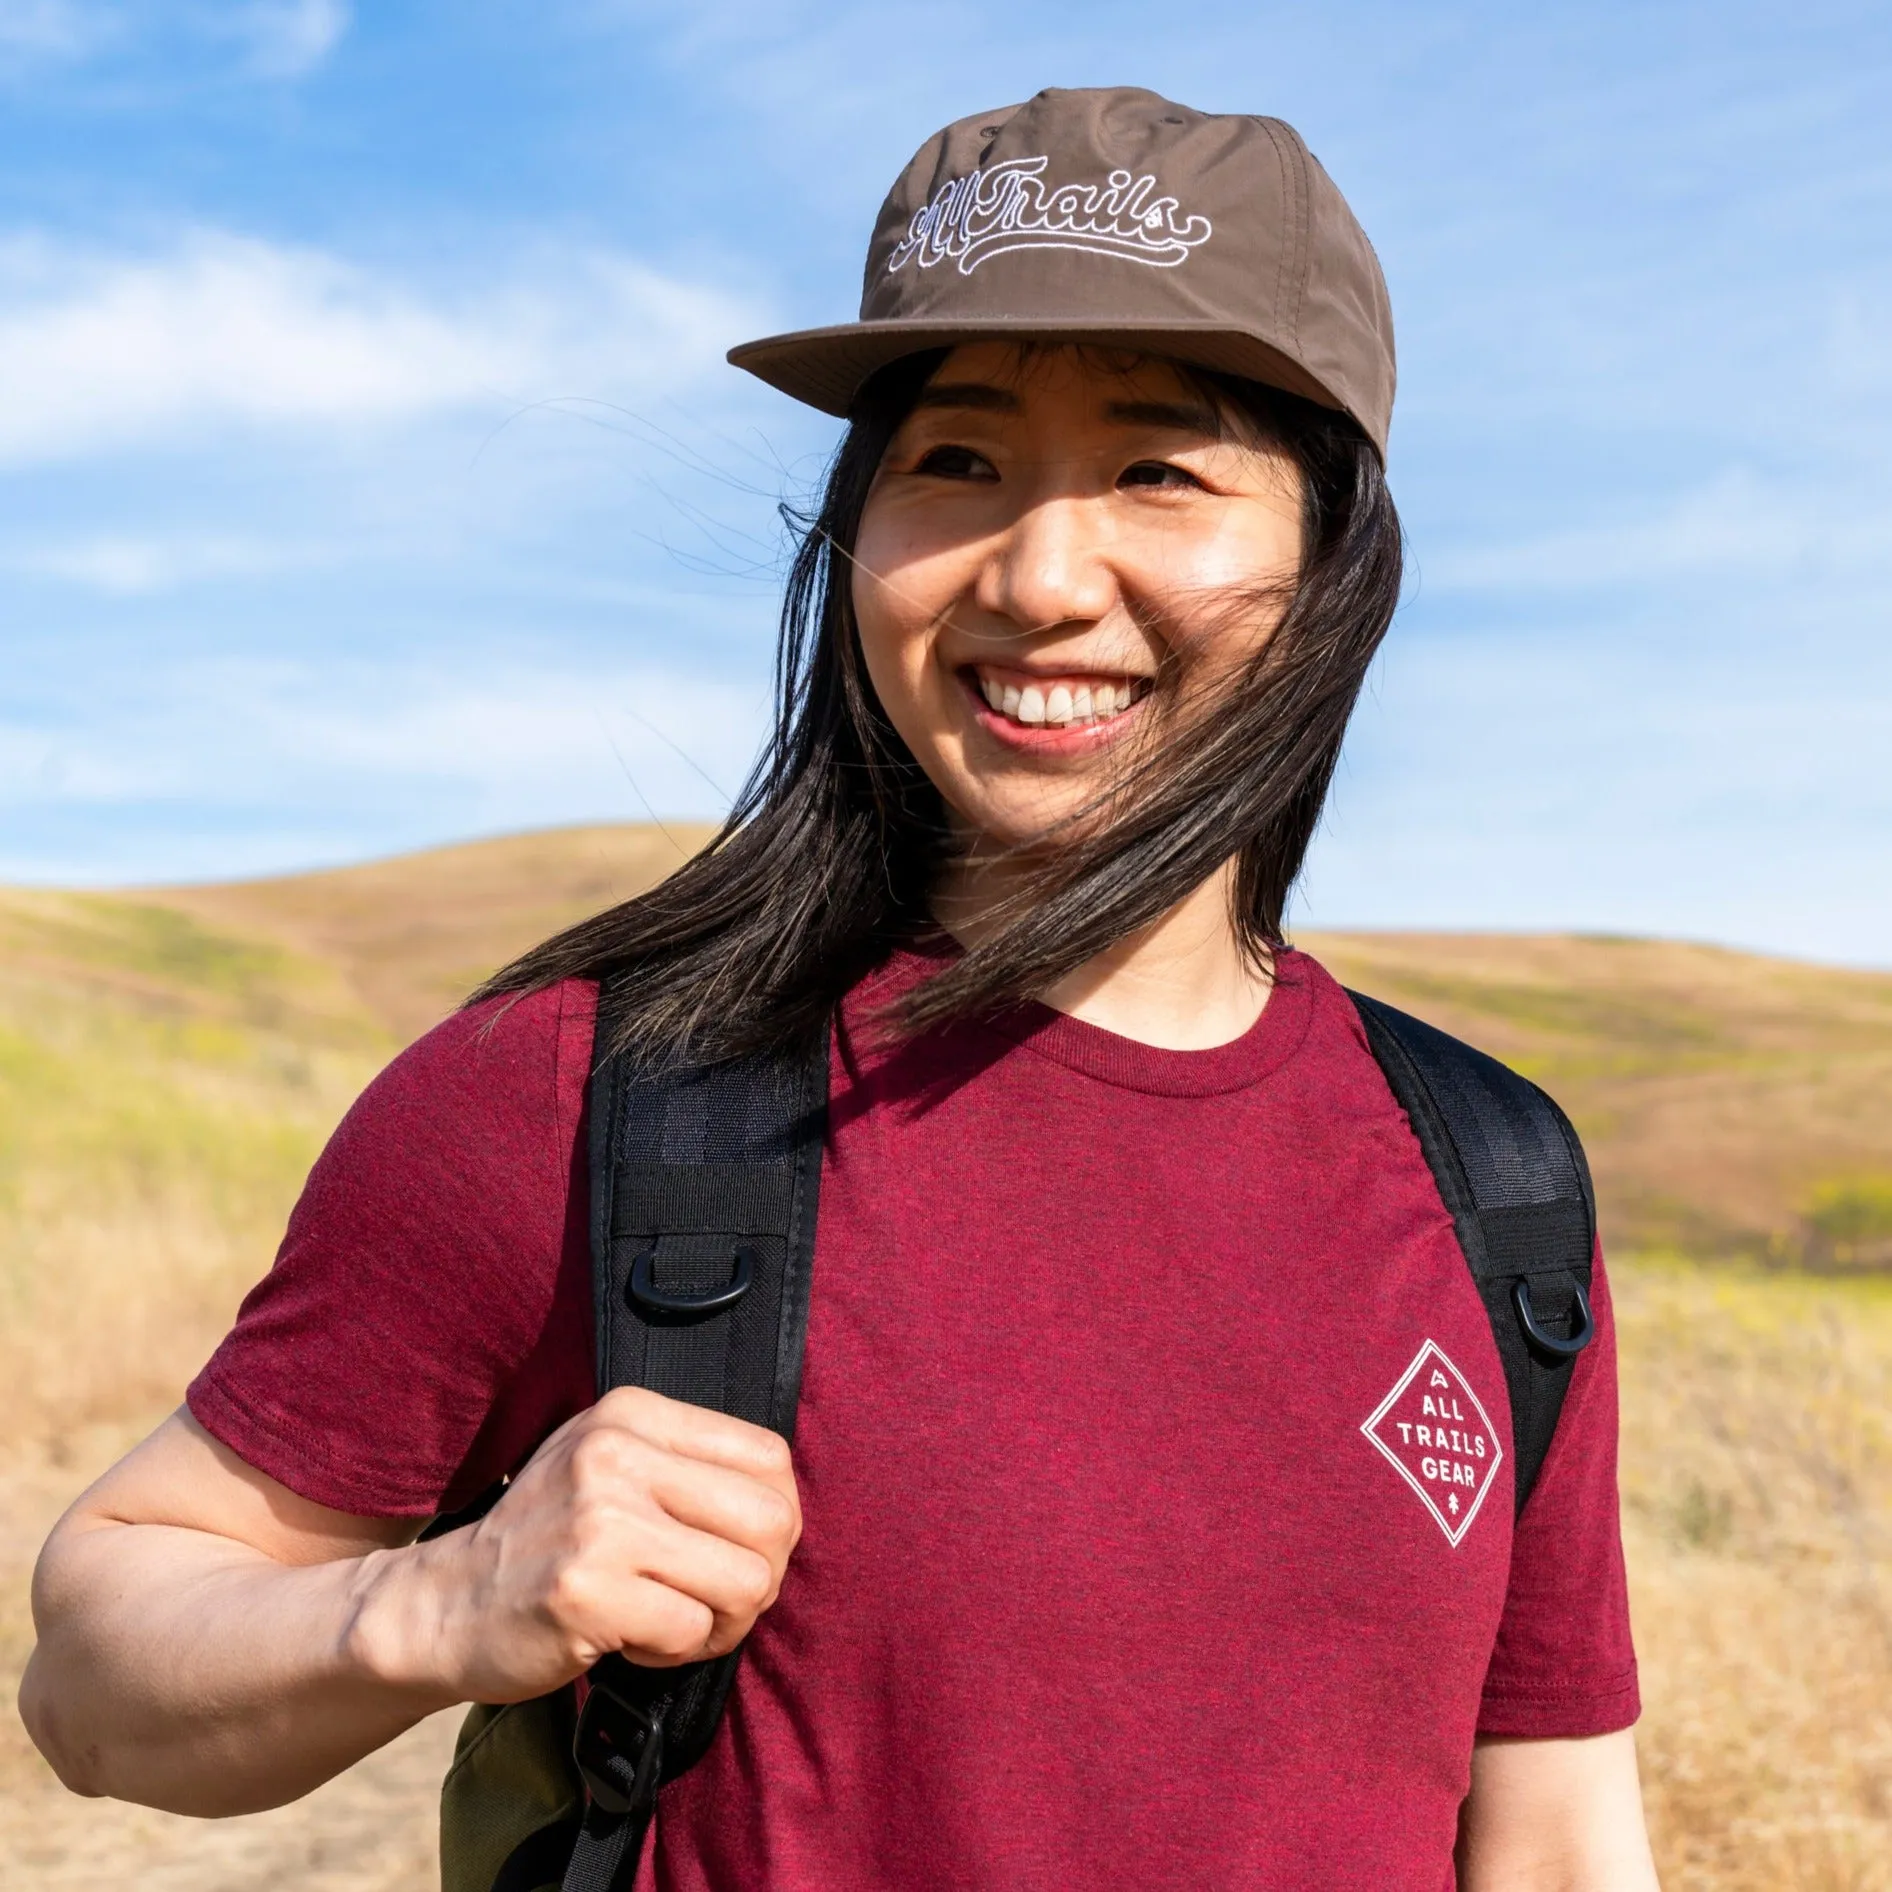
(1556, 1346)
(656, 1304)
(619, 1750)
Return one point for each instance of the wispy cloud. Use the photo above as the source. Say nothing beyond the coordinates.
(128, 566)
(103, 352)
(39, 32)
(287, 39)
(268, 39)
(298, 763)
(1735, 527)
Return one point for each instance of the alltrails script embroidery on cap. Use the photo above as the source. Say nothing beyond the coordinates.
(1008, 206)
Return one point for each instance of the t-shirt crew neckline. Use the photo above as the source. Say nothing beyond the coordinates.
(1110, 1058)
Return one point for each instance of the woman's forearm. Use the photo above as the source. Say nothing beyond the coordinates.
(211, 1643)
(191, 1672)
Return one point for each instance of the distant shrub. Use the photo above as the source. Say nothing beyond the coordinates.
(1848, 1223)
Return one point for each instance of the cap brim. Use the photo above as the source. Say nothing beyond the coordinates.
(827, 367)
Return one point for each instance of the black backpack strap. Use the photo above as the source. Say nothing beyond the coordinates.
(1512, 1174)
(703, 1192)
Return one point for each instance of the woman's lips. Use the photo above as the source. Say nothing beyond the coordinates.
(1074, 709)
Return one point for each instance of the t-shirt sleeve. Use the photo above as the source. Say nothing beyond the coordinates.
(427, 1320)
(1564, 1665)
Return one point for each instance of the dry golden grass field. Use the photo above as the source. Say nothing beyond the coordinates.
(170, 1062)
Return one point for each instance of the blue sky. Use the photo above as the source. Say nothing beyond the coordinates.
(369, 474)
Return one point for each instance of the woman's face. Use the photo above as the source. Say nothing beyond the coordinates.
(1044, 531)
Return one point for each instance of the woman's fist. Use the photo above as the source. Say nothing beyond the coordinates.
(644, 1526)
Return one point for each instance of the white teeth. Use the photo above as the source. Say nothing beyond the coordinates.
(1057, 704)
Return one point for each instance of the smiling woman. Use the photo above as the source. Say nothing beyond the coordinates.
(1200, 1378)
(1222, 554)
(1070, 576)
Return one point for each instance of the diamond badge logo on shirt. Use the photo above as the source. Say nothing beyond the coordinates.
(1435, 1432)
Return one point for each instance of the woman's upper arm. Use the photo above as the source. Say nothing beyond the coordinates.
(1555, 1816)
(184, 1478)
(427, 1319)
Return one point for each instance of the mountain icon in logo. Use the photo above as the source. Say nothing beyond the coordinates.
(1434, 1431)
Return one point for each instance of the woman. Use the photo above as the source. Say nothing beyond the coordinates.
(1085, 1567)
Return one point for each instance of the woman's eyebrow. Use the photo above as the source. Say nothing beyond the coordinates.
(1189, 417)
(1182, 416)
(975, 394)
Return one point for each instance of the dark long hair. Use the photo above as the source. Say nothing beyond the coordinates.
(829, 856)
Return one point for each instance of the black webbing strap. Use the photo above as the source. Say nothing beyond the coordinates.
(1512, 1174)
(703, 1193)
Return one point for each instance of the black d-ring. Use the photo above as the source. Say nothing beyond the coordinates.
(654, 1301)
(1560, 1349)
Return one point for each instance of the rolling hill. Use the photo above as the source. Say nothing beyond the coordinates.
(171, 1060)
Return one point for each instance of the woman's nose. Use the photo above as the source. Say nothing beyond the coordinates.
(1049, 567)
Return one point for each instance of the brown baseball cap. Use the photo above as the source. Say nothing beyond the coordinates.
(1112, 215)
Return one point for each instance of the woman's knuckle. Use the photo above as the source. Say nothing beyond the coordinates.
(753, 1580)
(622, 1404)
(571, 1593)
(609, 1460)
(595, 1454)
(778, 1521)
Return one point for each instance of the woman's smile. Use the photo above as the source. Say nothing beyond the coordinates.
(1056, 710)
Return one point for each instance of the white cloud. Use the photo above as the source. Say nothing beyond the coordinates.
(650, 738)
(40, 32)
(131, 566)
(286, 39)
(101, 352)
(284, 764)
(1735, 527)
(271, 39)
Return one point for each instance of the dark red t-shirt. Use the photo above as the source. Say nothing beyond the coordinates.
(1154, 1449)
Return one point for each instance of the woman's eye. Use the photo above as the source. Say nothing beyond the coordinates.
(956, 463)
(1156, 473)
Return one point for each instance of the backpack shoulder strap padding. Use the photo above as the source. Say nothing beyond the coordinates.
(703, 1193)
(1512, 1174)
(704, 1183)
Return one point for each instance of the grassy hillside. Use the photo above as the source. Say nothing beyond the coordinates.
(170, 1062)
(1730, 1104)
(410, 936)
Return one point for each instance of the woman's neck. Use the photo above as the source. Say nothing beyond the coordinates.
(1181, 984)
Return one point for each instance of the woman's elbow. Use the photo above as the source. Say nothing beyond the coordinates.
(77, 1761)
